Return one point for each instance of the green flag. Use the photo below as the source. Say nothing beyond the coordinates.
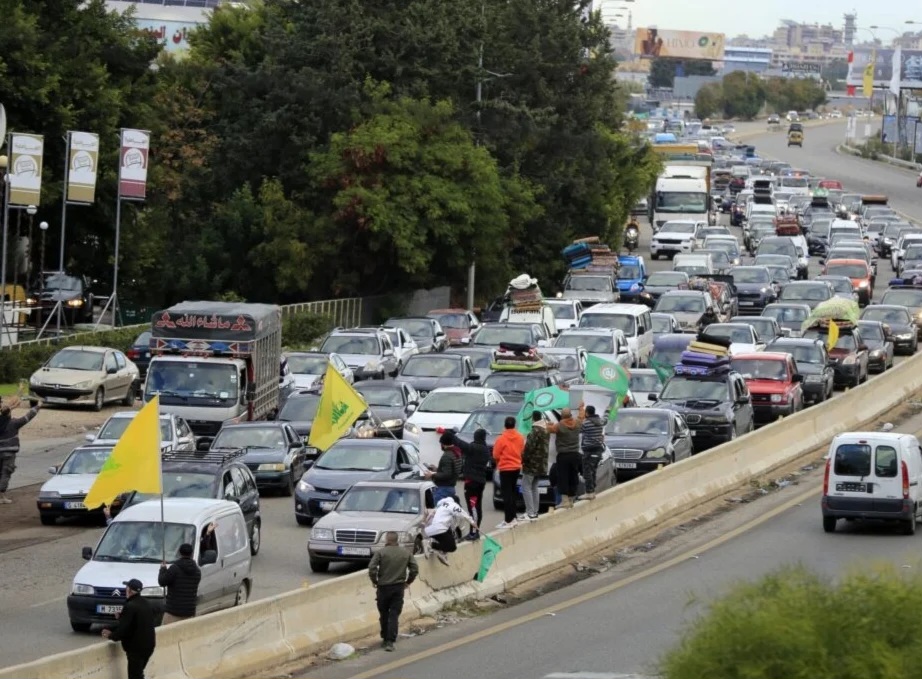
(490, 549)
(663, 370)
(609, 375)
(541, 400)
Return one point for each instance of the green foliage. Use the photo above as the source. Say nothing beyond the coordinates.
(709, 101)
(301, 329)
(794, 94)
(663, 70)
(802, 625)
(743, 95)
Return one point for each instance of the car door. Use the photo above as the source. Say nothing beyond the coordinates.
(681, 439)
(408, 455)
(185, 439)
(113, 381)
(744, 415)
(863, 354)
(340, 366)
(211, 589)
(126, 374)
(296, 450)
(247, 495)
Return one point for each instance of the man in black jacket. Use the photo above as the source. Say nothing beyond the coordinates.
(477, 456)
(181, 580)
(446, 475)
(9, 444)
(135, 629)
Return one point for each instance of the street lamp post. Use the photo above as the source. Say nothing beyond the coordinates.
(44, 228)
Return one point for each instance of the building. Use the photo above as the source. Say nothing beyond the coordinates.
(792, 34)
(169, 20)
(750, 59)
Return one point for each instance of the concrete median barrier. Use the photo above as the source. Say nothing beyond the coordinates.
(245, 641)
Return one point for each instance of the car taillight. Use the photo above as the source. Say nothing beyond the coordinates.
(905, 480)
(133, 354)
(826, 477)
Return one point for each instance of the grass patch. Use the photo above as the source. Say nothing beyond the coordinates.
(8, 389)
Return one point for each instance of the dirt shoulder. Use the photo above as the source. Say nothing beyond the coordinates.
(53, 422)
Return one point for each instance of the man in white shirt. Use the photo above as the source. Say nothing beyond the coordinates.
(440, 527)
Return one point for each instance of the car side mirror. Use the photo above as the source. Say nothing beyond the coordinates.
(295, 444)
(209, 557)
(308, 464)
(742, 400)
(542, 343)
(411, 407)
(405, 467)
(652, 397)
(622, 350)
(86, 553)
(203, 444)
(90, 437)
(862, 347)
(830, 363)
(785, 332)
(465, 340)
(111, 370)
(53, 470)
(797, 377)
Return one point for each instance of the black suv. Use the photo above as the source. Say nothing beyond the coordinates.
(717, 407)
(213, 474)
(72, 291)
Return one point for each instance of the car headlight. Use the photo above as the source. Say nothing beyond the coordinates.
(635, 287)
(764, 291)
(305, 487)
(392, 424)
(365, 432)
(402, 536)
(83, 385)
(74, 303)
(83, 590)
(777, 398)
(31, 301)
(49, 495)
(411, 429)
(877, 352)
(373, 366)
(656, 453)
(34, 380)
(905, 336)
(321, 534)
(717, 419)
(271, 467)
(848, 360)
(152, 591)
(863, 284)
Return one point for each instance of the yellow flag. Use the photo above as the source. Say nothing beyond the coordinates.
(340, 405)
(833, 336)
(868, 83)
(135, 461)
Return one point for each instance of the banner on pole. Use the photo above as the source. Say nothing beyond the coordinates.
(132, 172)
(25, 168)
(82, 167)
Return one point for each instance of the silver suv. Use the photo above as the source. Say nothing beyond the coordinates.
(369, 353)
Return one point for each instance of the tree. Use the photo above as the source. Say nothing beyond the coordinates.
(663, 70)
(794, 94)
(743, 95)
(709, 100)
(803, 625)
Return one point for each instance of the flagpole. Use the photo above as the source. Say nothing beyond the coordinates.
(375, 417)
(160, 471)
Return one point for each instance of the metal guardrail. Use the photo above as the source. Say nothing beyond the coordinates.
(346, 312)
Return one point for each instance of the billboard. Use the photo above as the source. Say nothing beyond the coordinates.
(132, 171)
(799, 67)
(882, 67)
(173, 35)
(656, 42)
(25, 168)
(82, 167)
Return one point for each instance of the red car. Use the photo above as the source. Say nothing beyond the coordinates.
(773, 382)
(458, 324)
(830, 184)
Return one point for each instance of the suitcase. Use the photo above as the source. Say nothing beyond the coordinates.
(704, 360)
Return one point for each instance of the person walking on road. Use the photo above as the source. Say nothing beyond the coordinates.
(593, 442)
(392, 570)
(507, 451)
(441, 524)
(568, 456)
(446, 475)
(181, 580)
(135, 629)
(474, 472)
(534, 464)
(9, 443)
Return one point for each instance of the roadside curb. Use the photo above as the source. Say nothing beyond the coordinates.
(888, 160)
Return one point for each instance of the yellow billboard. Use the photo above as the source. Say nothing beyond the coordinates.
(650, 43)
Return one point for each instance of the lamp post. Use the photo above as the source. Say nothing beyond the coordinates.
(44, 228)
(31, 210)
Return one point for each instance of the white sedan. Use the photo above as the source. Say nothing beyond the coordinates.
(175, 433)
(448, 407)
(743, 338)
(309, 366)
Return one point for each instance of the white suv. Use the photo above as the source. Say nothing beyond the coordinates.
(674, 237)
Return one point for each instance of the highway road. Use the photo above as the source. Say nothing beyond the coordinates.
(38, 564)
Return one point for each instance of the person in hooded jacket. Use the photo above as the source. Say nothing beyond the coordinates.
(181, 580)
(441, 523)
(474, 473)
(448, 473)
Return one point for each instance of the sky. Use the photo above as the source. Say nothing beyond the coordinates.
(755, 19)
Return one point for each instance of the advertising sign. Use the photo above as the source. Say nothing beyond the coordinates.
(173, 35)
(888, 131)
(799, 67)
(881, 62)
(650, 43)
(132, 171)
(25, 168)
(917, 147)
(81, 167)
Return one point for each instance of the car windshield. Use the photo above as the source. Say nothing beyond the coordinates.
(417, 327)
(482, 359)
(57, 281)
(188, 379)
(182, 484)
(451, 402)
(908, 298)
(432, 366)
(776, 260)
(772, 247)
(77, 359)
(114, 427)
(355, 458)
(518, 383)
(814, 293)
(565, 362)
(85, 461)
(143, 541)
(307, 365)
(751, 276)
(802, 354)
(845, 342)
(497, 335)
(731, 248)
(655, 424)
(300, 408)
(629, 272)
(760, 369)
(779, 274)
(564, 312)
(250, 437)
(593, 344)
(662, 324)
(491, 421)
(736, 334)
(794, 182)
(383, 499)
(645, 382)
(872, 331)
(820, 228)
(589, 283)
(786, 314)
(666, 279)
(453, 321)
(912, 252)
(840, 285)
(689, 304)
(390, 396)
(891, 316)
(366, 345)
(717, 256)
(678, 227)
(684, 389)
(608, 321)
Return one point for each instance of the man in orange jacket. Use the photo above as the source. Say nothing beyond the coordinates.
(507, 451)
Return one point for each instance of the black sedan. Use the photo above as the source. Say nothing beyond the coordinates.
(879, 339)
(299, 411)
(139, 353)
(901, 323)
(274, 452)
(389, 405)
(643, 440)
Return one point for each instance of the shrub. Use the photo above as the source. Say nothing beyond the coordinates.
(301, 329)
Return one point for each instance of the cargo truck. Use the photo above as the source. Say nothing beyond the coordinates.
(683, 189)
(215, 362)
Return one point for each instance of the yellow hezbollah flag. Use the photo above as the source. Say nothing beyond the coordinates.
(135, 461)
(869, 76)
(340, 405)
(833, 336)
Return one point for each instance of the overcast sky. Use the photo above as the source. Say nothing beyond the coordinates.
(735, 17)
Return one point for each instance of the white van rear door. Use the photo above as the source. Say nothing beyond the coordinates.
(888, 471)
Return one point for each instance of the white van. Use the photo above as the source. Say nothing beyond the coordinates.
(694, 264)
(632, 319)
(872, 475)
(543, 317)
(132, 547)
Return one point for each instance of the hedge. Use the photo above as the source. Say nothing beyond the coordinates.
(18, 364)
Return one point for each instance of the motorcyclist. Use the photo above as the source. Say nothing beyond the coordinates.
(632, 233)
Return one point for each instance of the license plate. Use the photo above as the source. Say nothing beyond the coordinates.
(852, 487)
(55, 399)
(146, 354)
(747, 303)
(693, 432)
(543, 490)
(108, 609)
(74, 505)
(625, 465)
(353, 551)
(327, 506)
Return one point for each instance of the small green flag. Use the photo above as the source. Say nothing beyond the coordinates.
(609, 375)
(663, 370)
(541, 400)
(490, 549)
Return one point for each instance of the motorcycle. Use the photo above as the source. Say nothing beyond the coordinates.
(631, 237)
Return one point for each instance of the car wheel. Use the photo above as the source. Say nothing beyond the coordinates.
(99, 399)
(909, 526)
(130, 396)
(80, 626)
(829, 524)
(255, 537)
(304, 520)
(48, 519)
(318, 566)
(289, 488)
(243, 595)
